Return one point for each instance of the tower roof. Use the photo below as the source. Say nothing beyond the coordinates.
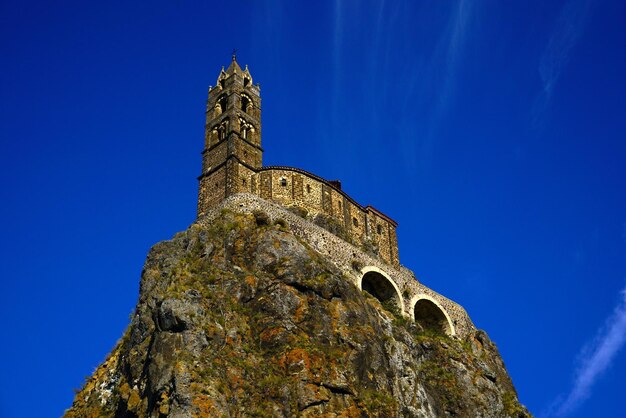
(234, 66)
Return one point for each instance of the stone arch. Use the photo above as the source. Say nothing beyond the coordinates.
(378, 284)
(429, 313)
(246, 129)
(222, 130)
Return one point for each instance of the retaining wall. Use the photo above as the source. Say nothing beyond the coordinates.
(348, 258)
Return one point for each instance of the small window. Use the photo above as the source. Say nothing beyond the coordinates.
(246, 81)
(243, 181)
(222, 83)
(355, 222)
(283, 182)
(308, 188)
(379, 229)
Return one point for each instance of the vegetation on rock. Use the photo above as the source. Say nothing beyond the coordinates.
(240, 318)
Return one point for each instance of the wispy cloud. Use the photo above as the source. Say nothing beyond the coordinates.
(268, 28)
(454, 44)
(443, 69)
(337, 47)
(409, 55)
(567, 30)
(595, 358)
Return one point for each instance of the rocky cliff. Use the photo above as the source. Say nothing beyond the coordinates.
(239, 317)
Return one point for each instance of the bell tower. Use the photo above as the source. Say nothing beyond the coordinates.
(232, 138)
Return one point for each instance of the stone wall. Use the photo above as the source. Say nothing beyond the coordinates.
(212, 190)
(212, 157)
(348, 258)
(362, 226)
(247, 153)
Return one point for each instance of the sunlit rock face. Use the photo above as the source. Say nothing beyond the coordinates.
(239, 317)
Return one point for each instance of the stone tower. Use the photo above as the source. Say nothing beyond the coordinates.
(232, 141)
(232, 164)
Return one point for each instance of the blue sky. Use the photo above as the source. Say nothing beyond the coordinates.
(493, 132)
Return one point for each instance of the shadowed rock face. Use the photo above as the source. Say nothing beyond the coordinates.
(240, 318)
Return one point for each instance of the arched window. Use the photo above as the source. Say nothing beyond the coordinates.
(223, 130)
(245, 128)
(245, 103)
(223, 102)
(246, 81)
